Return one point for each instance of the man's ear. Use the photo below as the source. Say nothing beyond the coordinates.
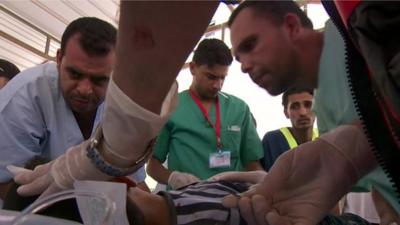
(293, 25)
(192, 67)
(59, 56)
(285, 112)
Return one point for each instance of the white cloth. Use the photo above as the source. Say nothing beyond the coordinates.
(124, 119)
(362, 205)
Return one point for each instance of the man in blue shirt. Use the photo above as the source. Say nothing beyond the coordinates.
(47, 109)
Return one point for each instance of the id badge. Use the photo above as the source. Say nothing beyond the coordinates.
(220, 159)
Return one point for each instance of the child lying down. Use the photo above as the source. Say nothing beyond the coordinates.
(201, 203)
(195, 204)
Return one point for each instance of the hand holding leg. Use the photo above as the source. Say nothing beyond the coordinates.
(305, 183)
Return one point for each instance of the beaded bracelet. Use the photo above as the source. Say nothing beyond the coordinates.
(101, 164)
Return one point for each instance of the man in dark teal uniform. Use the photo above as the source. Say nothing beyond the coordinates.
(297, 104)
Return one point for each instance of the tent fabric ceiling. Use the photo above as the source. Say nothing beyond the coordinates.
(53, 16)
(27, 25)
(30, 30)
(50, 17)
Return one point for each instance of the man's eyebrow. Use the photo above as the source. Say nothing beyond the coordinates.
(73, 70)
(294, 103)
(211, 74)
(96, 76)
(241, 47)
(245, 41)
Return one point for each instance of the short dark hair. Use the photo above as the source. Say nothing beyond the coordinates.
(8, 69)
(274, 10)
(211, 52)
(98, 37)
(295, 90)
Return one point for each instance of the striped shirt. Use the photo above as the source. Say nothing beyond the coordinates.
(202, 204)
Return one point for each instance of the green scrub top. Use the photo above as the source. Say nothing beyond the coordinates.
(188, 139)
(333, 106)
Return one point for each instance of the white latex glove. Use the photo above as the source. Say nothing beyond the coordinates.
(16, 169)
(59, 174)
(125, 124)
(178, 179)
(304, 184)
(249, 176)
(38, 178)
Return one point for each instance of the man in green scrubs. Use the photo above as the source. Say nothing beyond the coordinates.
(210, 132)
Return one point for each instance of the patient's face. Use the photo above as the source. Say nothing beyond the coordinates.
(146, 207)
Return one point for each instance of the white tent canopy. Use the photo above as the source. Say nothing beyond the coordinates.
(30, 30)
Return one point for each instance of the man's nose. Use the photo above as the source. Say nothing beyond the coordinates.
(85, 86)
(303, 110)
(218, 84)
(246, 65)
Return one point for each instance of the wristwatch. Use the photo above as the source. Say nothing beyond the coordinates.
(101, 164)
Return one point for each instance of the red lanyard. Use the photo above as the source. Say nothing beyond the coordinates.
(217, 126)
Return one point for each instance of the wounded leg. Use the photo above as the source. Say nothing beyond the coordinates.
(154, 41)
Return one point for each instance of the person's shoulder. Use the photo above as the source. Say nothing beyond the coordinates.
(32, 76)
(183, 98)
(184, 93)
(272, 134)
(228, 97)
(182, 107)
(231, 98)
(28, 83)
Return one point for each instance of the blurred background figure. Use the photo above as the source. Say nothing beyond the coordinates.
(297, 104)
(7, 72)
